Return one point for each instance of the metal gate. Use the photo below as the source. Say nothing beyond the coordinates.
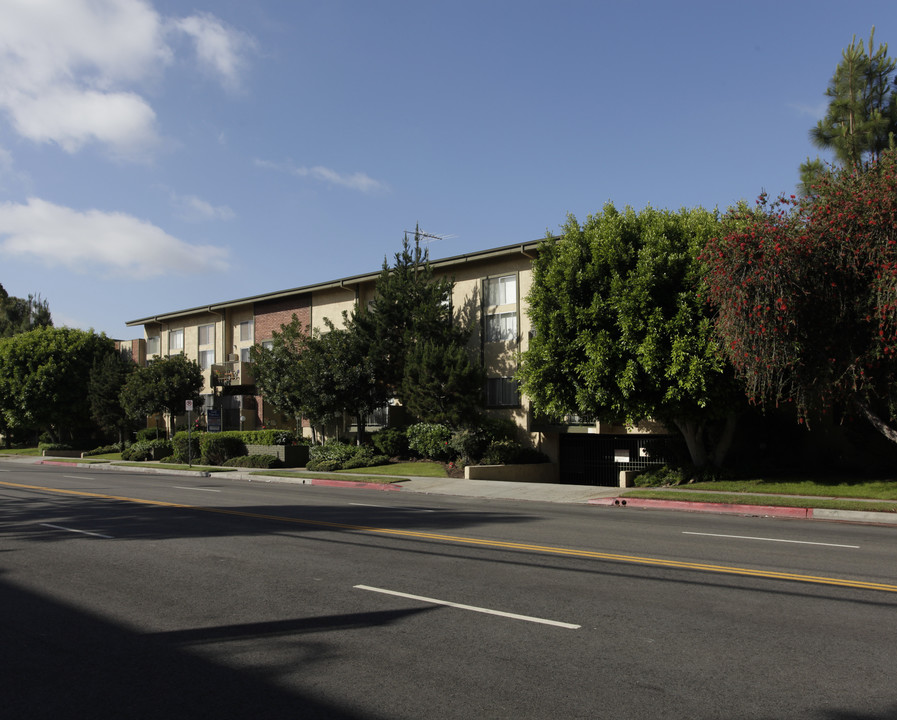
(587, 459)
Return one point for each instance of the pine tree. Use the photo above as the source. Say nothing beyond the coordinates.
(862, 112)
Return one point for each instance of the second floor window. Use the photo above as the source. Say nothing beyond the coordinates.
(206, 359)
(153, 346)
(501, 290)
(246, 331)
(175, 342)
(206, 335)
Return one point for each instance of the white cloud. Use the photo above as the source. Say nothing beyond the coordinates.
(355, 181)
(817, 112)
(72, 68)
(219, 48)
(100, 241)
(197, 209)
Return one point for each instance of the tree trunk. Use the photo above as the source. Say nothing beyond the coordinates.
(876, 421)
(693, 432)
(725, 440)
(359, 440)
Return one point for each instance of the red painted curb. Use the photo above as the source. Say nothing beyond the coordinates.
(353, 483)
(691, 506)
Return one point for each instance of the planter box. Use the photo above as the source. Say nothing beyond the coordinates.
(535, 473)
(62, 453)
(289, 455)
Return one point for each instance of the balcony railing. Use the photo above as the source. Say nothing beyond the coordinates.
(232, 373)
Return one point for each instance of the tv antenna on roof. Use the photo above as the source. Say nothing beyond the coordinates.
(426, 238)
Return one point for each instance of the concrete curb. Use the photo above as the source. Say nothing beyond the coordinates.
(801, 513)
(128, 468)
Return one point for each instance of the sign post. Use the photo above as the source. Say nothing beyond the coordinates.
(189, 433)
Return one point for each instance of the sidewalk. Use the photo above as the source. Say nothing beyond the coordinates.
(613, 498)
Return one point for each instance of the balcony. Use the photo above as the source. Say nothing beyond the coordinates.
(232, 373)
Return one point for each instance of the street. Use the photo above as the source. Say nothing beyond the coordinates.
(150, 596)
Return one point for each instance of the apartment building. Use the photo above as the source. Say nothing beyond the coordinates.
(490, 289)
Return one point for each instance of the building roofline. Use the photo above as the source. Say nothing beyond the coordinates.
(517, 248)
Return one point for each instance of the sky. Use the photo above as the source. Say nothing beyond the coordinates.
(159, 155)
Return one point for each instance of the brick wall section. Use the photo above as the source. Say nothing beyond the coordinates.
(270, 315)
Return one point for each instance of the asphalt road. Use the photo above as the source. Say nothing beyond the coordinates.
(136, 596)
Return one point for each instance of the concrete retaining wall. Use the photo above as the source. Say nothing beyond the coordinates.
(537, 473)
(289, 455)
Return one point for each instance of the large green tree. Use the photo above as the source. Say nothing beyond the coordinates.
(862, 112)
(163, 386)
(44, 376)
(622, 332)
(18, 315)
(806, 295)
(107, 378)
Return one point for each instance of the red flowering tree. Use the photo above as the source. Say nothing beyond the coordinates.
(806, 292)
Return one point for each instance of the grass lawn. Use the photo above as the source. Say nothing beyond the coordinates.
(420, 469)
(19, 451)
(382, 479)
(835, 488)
(742, 498)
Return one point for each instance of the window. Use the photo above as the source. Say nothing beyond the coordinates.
(175, 341)
(206, 359)
(246, 331)
(501, 290)
(153, 346)
(244, 355)
(502, 392)
(267, 344)
(206, 335)
(501, 327)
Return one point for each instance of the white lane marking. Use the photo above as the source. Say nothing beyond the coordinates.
(180, 487)
(82, 532)
(748, 537)
(79, 477)
(393, 507)
(473, 608)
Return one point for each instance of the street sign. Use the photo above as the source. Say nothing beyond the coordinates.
(189, 406)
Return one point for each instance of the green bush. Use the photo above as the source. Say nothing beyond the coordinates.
(216, 448)
(147, 434)
(138, 452)
(51, 446)
(323, 465)
(104, 450)
(335, 455)
(392, 442)
(511, 452)
(430, 440)
(253, 461)
(180, 443)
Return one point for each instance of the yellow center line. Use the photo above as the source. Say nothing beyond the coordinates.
(570, 552)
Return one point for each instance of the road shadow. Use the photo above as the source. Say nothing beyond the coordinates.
(58, 661)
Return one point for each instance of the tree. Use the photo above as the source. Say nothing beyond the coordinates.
(276, 370)
(411, 316)
(107, 378)
(441, 384)
(806, 295)
(44, 375)
(862, 112)
(621, 331)
(164, 385)
(18, 315)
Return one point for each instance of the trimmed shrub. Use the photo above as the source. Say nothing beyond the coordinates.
(104, 450)
(253, 461)
(334, 455)
(147, 434)
(140, 451)
(51, 446)
(179, 446)
(430, 440)
(216, 448)
(511, 452)
(323, 465)
(392, 442)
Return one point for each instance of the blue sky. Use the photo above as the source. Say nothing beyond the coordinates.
(157, 155)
